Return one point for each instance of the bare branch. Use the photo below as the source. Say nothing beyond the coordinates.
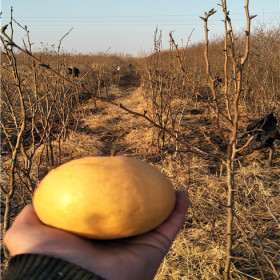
(189, 79)
(190, 147)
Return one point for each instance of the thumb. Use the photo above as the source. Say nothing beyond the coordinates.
(26, 216)
(174, 222)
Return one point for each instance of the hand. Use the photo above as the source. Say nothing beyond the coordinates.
(130, 258)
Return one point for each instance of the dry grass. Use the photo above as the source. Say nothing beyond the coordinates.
(199, 250)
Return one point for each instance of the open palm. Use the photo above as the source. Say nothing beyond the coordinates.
(130, 258)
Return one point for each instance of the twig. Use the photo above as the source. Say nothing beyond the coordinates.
(60, 41)
(245, 145)
(209, 140)
(226, 13)
(210, 76)
(190, 147)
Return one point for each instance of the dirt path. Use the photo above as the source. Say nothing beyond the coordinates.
(104, 127)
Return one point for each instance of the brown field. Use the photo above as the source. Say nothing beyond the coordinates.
(47, 121)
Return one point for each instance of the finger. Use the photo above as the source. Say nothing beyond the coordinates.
(173, 224)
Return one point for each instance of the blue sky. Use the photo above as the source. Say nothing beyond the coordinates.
(123, 26)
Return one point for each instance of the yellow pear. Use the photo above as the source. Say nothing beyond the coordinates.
(104, 197)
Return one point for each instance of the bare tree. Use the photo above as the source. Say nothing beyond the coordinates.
(231, 116)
